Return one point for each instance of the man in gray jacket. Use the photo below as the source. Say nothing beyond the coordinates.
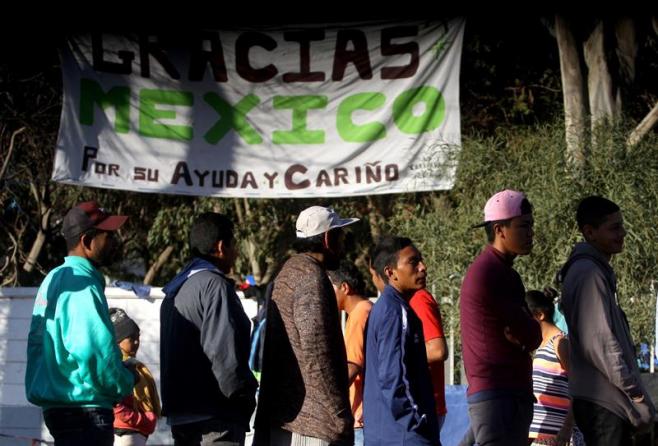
(208, 391)
(609, 398)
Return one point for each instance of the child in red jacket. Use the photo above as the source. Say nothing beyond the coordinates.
(135, 417)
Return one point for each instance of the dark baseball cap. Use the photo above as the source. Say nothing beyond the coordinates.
(89, 215)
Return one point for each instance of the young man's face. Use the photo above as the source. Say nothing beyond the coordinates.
(410, 274)
(608, 237)
(518, 236)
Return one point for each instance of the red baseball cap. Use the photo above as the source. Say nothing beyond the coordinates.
(89, 215)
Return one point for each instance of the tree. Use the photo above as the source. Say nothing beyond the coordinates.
(27, 134)
(598, 58)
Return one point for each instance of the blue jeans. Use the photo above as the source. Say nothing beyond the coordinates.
(80, 426)
(358, 437)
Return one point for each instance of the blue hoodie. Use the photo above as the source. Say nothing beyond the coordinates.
(195, 266)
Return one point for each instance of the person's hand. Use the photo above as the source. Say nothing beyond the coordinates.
(131, 365)
(510, 337)
(643, 413)
(563, 438)
(244, 403)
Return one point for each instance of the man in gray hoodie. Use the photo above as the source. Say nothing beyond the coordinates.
(609, 398)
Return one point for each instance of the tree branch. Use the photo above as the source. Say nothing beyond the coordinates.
(155, 268)
(643, 128)
(11, 149)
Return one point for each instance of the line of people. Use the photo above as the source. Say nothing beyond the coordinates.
(499, 330)
(381, 383)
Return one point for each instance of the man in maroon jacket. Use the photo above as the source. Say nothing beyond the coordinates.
(498, 331)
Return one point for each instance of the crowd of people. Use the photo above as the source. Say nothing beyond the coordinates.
(380, 381)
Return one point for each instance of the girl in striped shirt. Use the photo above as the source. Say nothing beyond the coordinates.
(552, 422)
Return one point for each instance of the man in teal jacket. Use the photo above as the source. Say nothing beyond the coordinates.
(74, 368)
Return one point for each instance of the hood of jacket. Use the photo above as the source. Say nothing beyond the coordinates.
(196, 265)
(584, 250)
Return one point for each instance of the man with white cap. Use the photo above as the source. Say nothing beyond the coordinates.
(498, 331)
(304, 396)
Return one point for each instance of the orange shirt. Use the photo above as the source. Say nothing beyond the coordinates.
(354, 340)
(428, 312)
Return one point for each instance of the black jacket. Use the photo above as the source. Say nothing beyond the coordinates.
(204, 347)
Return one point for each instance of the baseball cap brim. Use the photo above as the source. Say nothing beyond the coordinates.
(111, 223)
(341, 222)
(336, 223)
(479, 225)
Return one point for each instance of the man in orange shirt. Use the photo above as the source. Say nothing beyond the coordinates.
(350, 289)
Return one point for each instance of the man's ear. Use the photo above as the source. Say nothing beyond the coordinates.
(345, 288)
(588, 232)
(390, 273)
(85, 240)
(498, 230)
(220, 247)
(328, 241)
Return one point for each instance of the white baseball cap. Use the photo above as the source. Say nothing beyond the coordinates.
(318, 220)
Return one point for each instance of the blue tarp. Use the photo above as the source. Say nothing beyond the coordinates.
(456, 421)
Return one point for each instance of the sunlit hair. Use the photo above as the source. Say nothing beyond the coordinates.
(594, 210)
(542, 301)
(208, 229)
(348, 273)
(387, 253)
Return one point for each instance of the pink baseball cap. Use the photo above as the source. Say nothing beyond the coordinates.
(503, 205)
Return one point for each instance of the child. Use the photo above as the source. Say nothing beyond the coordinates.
(136, 415)
(552, 422)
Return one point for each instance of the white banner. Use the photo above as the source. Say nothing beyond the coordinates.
(289, 112)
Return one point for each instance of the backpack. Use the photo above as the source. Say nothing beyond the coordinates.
(258, 333)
